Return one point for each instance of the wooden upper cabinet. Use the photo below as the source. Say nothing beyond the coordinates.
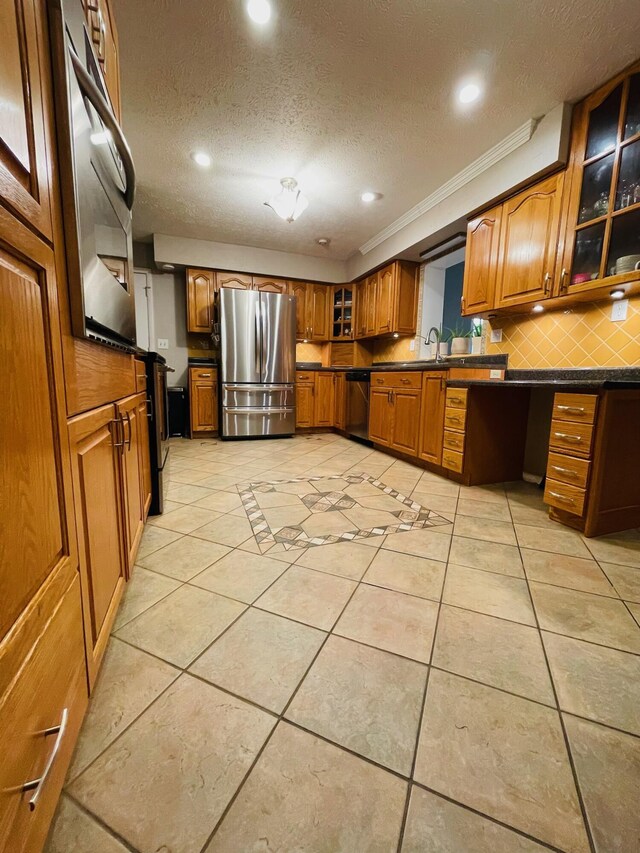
(271, 285)
(481, 262)
(391, 300)
(529, 243)
(384, 300)
(432, 416)
(324, 396)
(300, 289)
(104, 36)
(200, 295)
(371, 285)
(319, 316)
(236, 280)
(25, 95)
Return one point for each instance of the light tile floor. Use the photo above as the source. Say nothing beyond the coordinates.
(325, 649)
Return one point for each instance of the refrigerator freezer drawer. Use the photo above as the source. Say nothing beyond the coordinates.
(258, 396)
(242, 422)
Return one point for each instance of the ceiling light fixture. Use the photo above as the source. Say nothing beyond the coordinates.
(259, 11)
(617, 294)
(323, 241)
(289, 203)
(201, 159)
(537, 309)
(469, 93)
(369, 196)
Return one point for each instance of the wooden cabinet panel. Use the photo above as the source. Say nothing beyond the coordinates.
(320, 299)
(453, 441)
(579, 408)
(97, 442)
(36, 517)
(457, 398)
(455, 418)
(573, 438)
(200, 295)
(305, 396)
(236, 280)
(529, 243)
(432, 417)
(50, 687)
(340, 401)
(565, 497)
(452, 460)
(128, 412)
(370, 310)
(203, 399)
(24, 95)
(271, 285)
(405, 298)
(384, 300)
(566, 469)
(397, 379)
(144, 460)
(323, 408)
(406, 420)
(481, 262)
(300, 289)
(380, 416)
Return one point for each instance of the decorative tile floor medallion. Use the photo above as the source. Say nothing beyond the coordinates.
(336, 504)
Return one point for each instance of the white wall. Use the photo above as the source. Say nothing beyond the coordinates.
(170, 321)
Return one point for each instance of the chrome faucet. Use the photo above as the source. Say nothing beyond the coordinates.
(435, 329)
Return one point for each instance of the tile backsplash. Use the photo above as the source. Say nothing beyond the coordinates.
(583, 336)
(393, 349)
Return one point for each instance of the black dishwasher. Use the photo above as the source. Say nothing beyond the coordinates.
(358, 382)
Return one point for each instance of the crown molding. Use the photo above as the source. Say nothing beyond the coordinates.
(489, 158)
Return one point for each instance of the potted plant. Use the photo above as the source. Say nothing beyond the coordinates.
(459, 341)
(476, 337)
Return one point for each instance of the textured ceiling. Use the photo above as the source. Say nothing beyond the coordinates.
(344, 95)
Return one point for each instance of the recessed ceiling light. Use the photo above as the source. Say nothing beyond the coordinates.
(201, 158)
(323, 241)
(617, 294)
(469, 93)
(369, 196)
(259, 11)
(537, 309)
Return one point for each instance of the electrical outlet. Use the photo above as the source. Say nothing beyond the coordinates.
(495, 374)
(412, 345)
(619, 310)
(163, 343)
(496, 336)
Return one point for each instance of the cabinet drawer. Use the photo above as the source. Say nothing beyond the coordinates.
(50, 691)
(457, 398)
(455, 418)
(579, 408)
(568, 470)
(453, 441)
(572, 437)
(141, 376)
(452, 460)
(397, 380)
(198, 374)
(562, 496)
(306, 377)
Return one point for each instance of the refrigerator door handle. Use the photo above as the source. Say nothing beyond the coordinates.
(258, 338)
(258, 411)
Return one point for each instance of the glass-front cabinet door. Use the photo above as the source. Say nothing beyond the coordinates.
(342, 313)
(602, 245)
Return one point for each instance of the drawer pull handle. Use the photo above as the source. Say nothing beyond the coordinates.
(562, 498)
(566, 471)
(454, 418)
(205, 376)
(574, 439)
(36, 785)
(455, 399)
(575, 410)
(379, 381)
(405, 381)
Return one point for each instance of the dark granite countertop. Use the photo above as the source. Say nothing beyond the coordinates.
(573, 378)
(205, 361)
(471, 361)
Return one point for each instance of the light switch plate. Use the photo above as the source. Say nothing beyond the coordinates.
(496, 336)
(619, 310)
(163, 343)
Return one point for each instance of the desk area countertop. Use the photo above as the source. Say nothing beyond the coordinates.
(614, 378)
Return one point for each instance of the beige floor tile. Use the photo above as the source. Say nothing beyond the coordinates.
(306, 795)
(533, 516)
(327, 524)
(620, 548)
(186, 519)
(608, 768)
(167, 780)
(596, 682)
(489, 556)
(585, 617)
(435, 825)
(420, 543)
(282, 489)
(278, 552)
(167, 507)
(635, 611)
(286, 516)
(498, 653)
(445, 504)
(226, 530)
(307, 596)
(73, 831)
(391, 621)
(362, 518)
(240, 575)
(381, 501)
(406, 573)
(270, 500)
(502, 755)
(184, 558)
(361, 490)
(220, 501)
(143, 590)
(484, 509)
(570, 572)
(189, 476)
(364, 699)
(625, 579)
(182, 625)
(559, 541)
(187, 494)
(435, 485)
(331, 485)
(348, 559)
(128, 682)
(220, 482)
(491, 494)
(484, 529)
(485, 592)
(155, 538)
(262, 657)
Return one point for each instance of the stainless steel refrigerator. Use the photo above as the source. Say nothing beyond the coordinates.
(257, 363)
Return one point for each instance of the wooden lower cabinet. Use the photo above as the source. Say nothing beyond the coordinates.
(128, 413)
(432, 417)
(97, 442)
(380, 415)
(339, 401)
(405, 403)
(144, 455)
(323, 404)
(203, 399)
(305, 395)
